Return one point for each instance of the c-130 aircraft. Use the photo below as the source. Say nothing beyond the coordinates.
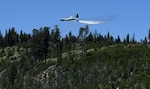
(87, 22)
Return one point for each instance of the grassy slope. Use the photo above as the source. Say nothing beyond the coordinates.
(125, 66)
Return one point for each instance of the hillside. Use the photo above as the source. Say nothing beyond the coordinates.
(118, 66)
(45, 60)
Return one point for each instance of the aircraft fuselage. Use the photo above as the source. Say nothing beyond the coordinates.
(67, 19)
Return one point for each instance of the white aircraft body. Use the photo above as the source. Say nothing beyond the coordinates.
(87, 22)
(71, 18)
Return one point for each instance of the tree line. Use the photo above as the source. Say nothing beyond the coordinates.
(46, 42)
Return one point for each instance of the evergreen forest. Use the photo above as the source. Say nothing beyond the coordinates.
(90, 60)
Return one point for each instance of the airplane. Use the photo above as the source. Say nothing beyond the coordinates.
(87, 22)
(71, 18)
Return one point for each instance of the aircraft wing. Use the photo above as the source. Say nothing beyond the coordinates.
(70, 17)
(90, 22)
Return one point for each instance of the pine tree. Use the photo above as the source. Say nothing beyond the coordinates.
(118, 40)
(46, 35)
(1, 40)
(145, 41)
(133, 39)
(57, 41)
(149, 35)
(21, 36)
(128, 38)
(90, 37)
(108, 36)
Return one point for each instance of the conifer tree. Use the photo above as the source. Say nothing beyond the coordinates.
(118, 40)
(128, 38)
(1, 40)
(149, 35)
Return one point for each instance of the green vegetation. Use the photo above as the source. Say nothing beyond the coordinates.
(45, 60)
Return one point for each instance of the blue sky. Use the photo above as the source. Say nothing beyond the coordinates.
(132, 16)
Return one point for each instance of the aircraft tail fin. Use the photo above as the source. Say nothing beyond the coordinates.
(77, 16)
